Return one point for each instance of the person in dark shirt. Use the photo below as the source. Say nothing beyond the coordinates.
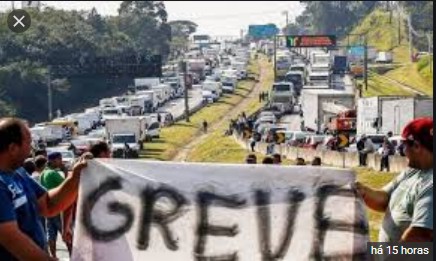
(251, 159)
(23, 200)
(277, 159)
(100, 150)
(316, 161)
(205, 126)
(268, 160)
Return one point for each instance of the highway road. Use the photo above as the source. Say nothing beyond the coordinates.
(293, 121)
(177, 107)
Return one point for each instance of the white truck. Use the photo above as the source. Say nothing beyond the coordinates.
(384, 57)
(146, 83)
(197, 66)
(152, 100)
(165, 90)
(107, 102)
(84, 122)
(319, 78)
(241, 70)
(94, 115)
(282, 96)
(51, 134)
(124, 130)
(215, 89)
(228, 83)
(111, 112)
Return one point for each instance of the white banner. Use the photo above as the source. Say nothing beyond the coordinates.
(141, 210)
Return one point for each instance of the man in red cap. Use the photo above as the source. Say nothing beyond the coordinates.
(408, 199)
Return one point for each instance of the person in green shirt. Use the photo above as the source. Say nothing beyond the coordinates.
(407, 201)
(51, 178)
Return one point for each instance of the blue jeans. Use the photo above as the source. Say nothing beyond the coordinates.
(54, 225)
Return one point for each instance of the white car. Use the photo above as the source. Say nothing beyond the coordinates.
(266, 114)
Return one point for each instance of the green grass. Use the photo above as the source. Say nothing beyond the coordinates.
(266, 85)
(383, 36)
(425, 68)
(219, 148)
(377, 86)
(174, 137)
(410, 76)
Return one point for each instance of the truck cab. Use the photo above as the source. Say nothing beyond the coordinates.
(297, 78)
(283, 93)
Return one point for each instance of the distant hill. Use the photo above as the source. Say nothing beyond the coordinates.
(393, 36)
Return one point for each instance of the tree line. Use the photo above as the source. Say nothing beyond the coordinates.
(59, 35)
(340, 17)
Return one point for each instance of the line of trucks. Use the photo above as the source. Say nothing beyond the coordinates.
(139, 106)
(126, 121)
(225, 73)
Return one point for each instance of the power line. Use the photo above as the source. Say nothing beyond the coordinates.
(212, 17)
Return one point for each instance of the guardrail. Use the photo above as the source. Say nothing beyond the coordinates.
(331, 158)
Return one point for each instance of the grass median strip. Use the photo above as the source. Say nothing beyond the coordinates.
(181, 133)
(219, 148)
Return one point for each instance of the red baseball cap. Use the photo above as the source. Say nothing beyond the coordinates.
(420, 130)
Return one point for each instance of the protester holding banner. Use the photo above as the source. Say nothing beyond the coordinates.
(100, 150)
(23, 200)
(408, 200)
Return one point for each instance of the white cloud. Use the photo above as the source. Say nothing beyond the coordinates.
(213, 17)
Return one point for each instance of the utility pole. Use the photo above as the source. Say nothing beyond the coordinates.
(49, 94)
(275, 57)
(430, 50)
(409, 23)
(286, 13)
(365, 61)
(184, 69)
(399, 27)
(13, 5)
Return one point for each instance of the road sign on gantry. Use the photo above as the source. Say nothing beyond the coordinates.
(310, 41)
(262, 31)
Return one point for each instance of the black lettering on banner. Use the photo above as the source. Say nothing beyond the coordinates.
(204, 201)
(323, 224)
(262, 199)
(150, 215)
(114, 207)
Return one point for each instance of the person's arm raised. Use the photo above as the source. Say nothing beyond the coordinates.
(60, 198)
(377, 200)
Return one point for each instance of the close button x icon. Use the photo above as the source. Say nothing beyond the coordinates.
(19, 21)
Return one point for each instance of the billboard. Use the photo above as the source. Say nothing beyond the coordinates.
(262, 31)
(135, 65)
(201, 37)
(310, 41)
